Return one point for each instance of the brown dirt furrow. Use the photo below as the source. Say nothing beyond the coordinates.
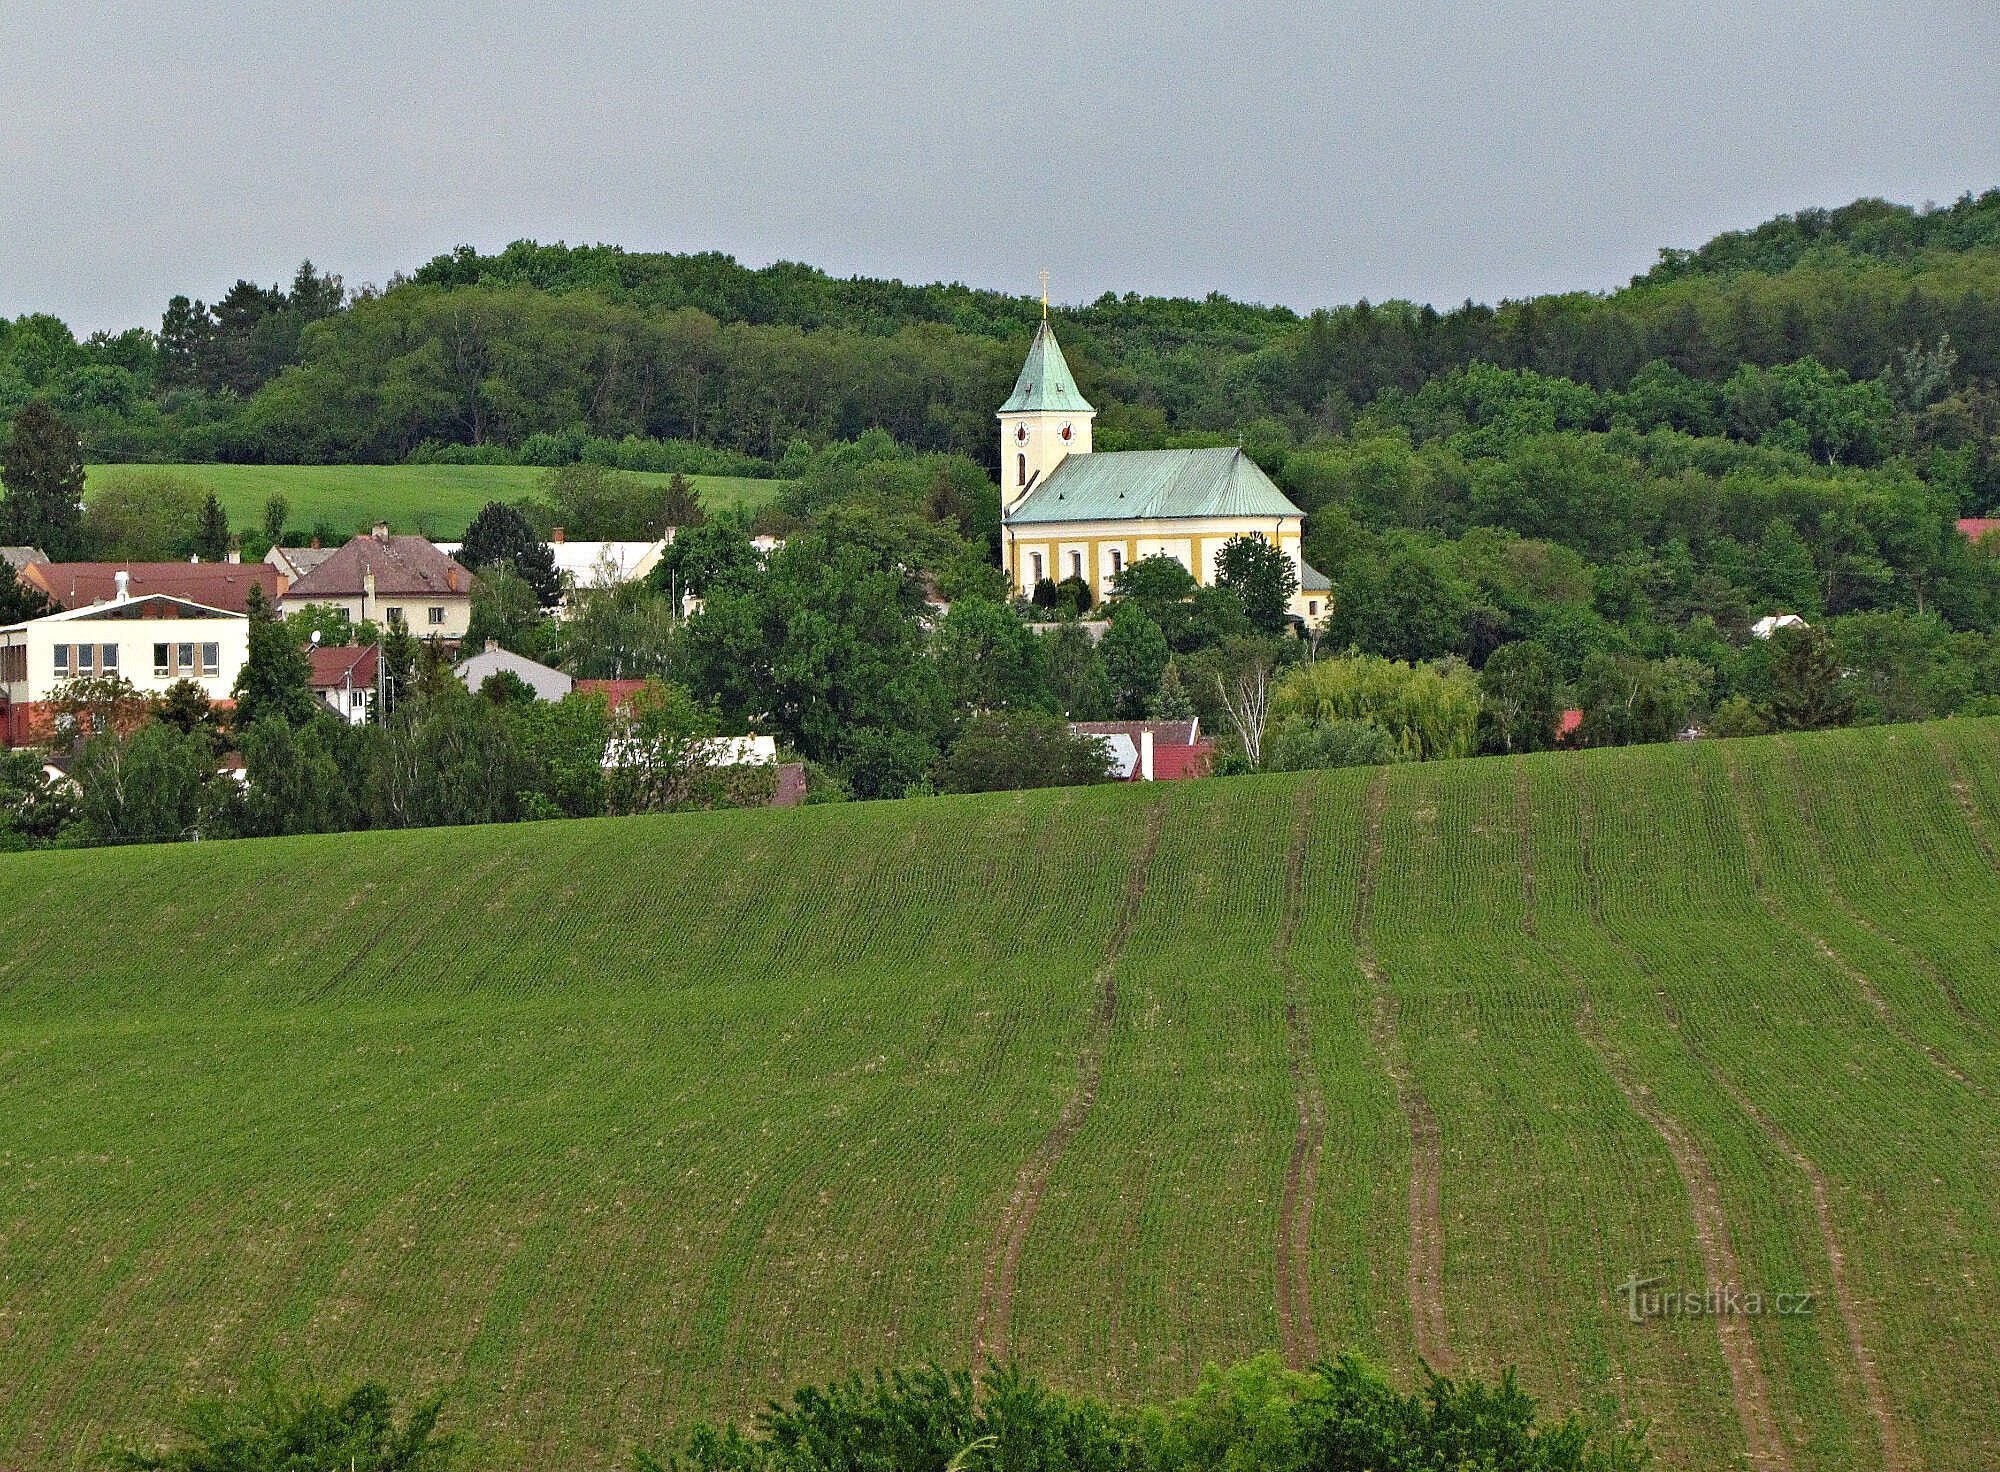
(1873, 1393)
(1296, 1336)
(1426, 1267)
(1003, 1255)
(1855, 975)
(1749, 1385)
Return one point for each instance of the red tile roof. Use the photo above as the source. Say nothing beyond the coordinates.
(222, 585)
(1172, 763)
(1165, 733)
(353, 665)
(616, 693)
(403, 567)
(1976, 527)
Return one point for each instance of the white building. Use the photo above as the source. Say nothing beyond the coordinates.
(152, 641)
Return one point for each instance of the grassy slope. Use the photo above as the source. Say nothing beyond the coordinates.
(605, 1124)
(435, 500)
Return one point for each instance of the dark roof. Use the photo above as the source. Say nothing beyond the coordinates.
(305, 559)
(403, 567)
(19, 557)
(350, 665)
(1165, 733)
(223, 585)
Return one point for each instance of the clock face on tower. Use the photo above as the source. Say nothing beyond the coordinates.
(1066, 432)
(1020, 434)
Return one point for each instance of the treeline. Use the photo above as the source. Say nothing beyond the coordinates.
(486, 352)
(1342, 1415)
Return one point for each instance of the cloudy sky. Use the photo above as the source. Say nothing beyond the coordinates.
(1303, 153)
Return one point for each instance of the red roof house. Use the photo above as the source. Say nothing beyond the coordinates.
(224, 585)
(345, 678)
(1152, 751)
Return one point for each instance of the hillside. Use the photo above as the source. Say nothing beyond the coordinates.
(434, 500)
(605, 1124)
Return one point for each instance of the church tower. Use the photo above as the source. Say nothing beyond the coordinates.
(1044, 421)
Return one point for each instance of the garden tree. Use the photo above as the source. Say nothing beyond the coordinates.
(155, 785)
(33, 810)
(826, 650)
(1153, 582)
(969, 573)
(1260, 575)
(276, 509)
(999, 751)
(988, 660)
(1044, 596)
(41, 475)
(295, 778)
(506, 611)
(1307, 745)
(1077, 683)
(561, 743)
(712, 554)
(1807, 691)
(330, 621)
(1073, 595)
(272, 1426)
(1246, 702)
(1408, 607)
(1519, 700)
(20, 600)
(1737, 716)
(1429, 711)
(501, 536)
(1171, 702)
(445, 757)
(145, 518)
(401, 655)
(185, 706)
(625, 632)
(504, 688)
(1135, 656)
(679, 505)
(211, 531)
(665, 757)
(596, 502)
(1628, 699)
(1900, 666)
(94, 705)
(276, 678)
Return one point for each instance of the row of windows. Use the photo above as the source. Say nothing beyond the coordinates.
(1076, 564)
(79, 661)
(395, 615)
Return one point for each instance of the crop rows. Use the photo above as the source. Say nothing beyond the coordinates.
(605, 1125)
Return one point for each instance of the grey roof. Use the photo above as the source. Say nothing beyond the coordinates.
(1312, 580)
(1127, 485)
(305, 559)
(547, 684)
(19, 557)
(1045, 384)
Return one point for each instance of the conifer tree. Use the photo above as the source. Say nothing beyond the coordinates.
(41, 471)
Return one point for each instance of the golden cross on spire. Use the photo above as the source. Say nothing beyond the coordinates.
(1045, 293)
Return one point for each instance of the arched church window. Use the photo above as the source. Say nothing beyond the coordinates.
(1036, 559)
(1117, 562)
(1076, 564)
(1020, 470)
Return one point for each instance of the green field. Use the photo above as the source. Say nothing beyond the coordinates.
(431, 500)
(602, 1125)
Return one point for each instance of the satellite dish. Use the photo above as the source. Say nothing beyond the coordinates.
(315, 638)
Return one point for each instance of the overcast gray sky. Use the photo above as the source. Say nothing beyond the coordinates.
(1300, 153)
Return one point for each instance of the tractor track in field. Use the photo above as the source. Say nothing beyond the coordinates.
(1296, 1336)
(1873, 1392)
(1010, 1235)
(1426, 1269)
(1961, 792)
(1879, 1004)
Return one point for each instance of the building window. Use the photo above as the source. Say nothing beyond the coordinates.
(1312, 607)
(1117, 562)
(437, 615)
(184, 658)
(395, 616)
(1076, 564)
(86, 659)
(1020, 470)
(162, 663)
(211, 659)
(1036, 559)
(357, 699)
(107, 659)
(62, 661)
(13, 663)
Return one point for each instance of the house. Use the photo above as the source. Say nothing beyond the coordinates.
(344, 680)
(398, 581)
(1770, 623)
(151, 640)
(1152, 751)
(590, 564)
(1068, 513)
(294, 563)
(547, 684)
(1978, 527)
(223, 585)
(19, 557)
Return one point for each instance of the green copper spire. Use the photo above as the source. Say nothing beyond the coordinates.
(1045, 385)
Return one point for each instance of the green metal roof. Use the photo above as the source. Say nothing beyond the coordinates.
(1129, 485)
(1045, 384)
(1312, 580)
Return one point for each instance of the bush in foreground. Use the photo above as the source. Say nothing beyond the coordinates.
(275, 1429)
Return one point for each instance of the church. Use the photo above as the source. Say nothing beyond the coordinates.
(1065, 512)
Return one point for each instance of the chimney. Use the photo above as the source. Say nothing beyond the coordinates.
(555, 534)
(492, 646)
(367, 595)
(234, 555)
(381, 532)
(123, 579)
(1146, 753)
(315, 542)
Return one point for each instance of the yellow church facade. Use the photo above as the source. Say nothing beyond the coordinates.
(1067, 512)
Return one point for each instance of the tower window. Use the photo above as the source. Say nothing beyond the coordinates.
(1020, 470)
